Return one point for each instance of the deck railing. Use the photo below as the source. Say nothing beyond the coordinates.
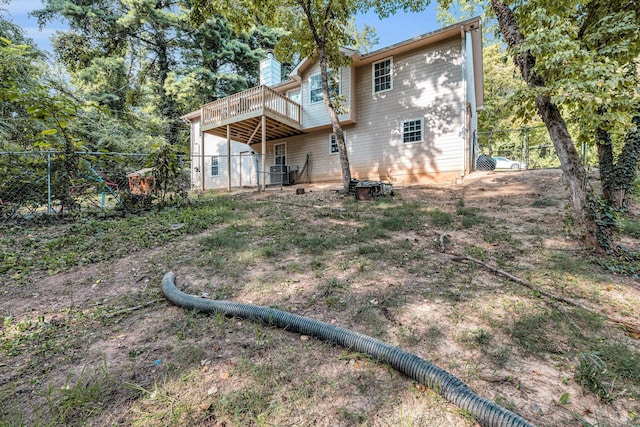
(249, 101)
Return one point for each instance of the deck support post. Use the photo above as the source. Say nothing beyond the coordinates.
(228, 157)
(202, 174)
(263, 152)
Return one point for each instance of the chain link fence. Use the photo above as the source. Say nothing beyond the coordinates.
(522, 148)
(54, 183)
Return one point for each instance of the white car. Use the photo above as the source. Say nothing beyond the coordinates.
(504, 163)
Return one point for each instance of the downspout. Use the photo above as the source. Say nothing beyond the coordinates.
(470, 100)
(465, 131)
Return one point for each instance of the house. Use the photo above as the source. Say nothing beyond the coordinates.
(409, 116)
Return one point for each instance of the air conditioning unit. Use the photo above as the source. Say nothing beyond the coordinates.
(279, 175)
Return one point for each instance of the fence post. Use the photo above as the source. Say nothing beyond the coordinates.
(523, 156)
(49, 183)
(526, 142)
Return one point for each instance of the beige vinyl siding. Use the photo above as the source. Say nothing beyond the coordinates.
(314, 115)
(216, 146)
(427, 83)
(324, 165)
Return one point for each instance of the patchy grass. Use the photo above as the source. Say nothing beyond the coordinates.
(59, 246)
(87, 338)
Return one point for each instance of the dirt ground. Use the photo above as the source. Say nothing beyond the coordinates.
(105, 330)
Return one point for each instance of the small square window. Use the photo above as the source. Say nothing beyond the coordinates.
(333, 143)
(382, 75)
(412, 131)
(215, 165)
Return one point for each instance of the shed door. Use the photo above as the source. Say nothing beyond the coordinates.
(247, 173)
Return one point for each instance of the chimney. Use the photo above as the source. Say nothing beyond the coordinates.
(270, 70)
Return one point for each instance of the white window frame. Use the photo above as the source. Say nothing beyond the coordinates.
(331, 74)
(275, 155)
(215, 162)
(333, 142)
(389, 75)
(298, 94)
(408, 133)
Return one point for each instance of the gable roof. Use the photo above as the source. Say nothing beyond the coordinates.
(473, 25)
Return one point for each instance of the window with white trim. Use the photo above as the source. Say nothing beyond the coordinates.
(294, 95)
(315, 86)
(413, 131)
(280, 154)
(333, 143)
(382, 75)
(215, 165)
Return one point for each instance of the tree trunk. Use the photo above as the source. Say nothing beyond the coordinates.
(605, 162)
(624, 171)
(167, 106)
(320, 34)
(335, 121)
(585, 206)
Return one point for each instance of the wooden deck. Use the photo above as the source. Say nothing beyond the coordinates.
(243, 113)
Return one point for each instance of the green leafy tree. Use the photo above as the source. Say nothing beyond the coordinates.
(578, 60)
(20, 69)
(215, 62)
(315, 28)
(582, 63)
(141, 59)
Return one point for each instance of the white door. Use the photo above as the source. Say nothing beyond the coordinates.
(247, 173)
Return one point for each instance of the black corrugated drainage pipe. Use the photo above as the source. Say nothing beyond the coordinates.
(451, 388)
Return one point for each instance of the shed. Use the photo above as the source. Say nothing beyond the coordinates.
(142, 182)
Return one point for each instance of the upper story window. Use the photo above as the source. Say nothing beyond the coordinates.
(315, 86)
(382, 75)
(294, 95)
(413, 131)
(215, 166)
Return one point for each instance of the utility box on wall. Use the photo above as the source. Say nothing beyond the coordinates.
(279, 175)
